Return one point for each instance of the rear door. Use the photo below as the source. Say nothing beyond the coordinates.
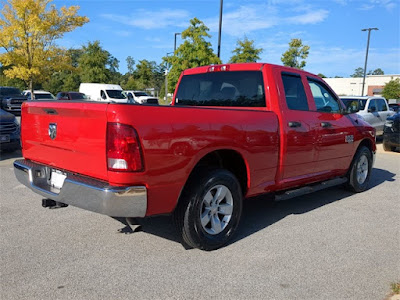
(383, 113)
(298, 132)
(67, 136)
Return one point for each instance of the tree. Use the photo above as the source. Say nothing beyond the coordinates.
(67, 79)
(245, 52)
(97, 65)
(28, 31)
(378, 71)
(131, 64)
(14, 82)
(195, 51)
(359, 72)
(391, 89)
(321, 75)
(296, 51)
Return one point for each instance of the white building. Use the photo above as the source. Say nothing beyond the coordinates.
(353, 86)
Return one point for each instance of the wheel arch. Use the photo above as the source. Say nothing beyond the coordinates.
(228, 159)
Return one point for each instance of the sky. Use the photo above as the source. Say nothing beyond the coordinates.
(145, 29)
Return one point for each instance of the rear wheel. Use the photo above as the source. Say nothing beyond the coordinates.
(360, 170)
(387, 147)
(209, 210)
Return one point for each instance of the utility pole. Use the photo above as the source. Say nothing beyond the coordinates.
(166, 78)
(366, 57)
(178, 33)
(220, 28)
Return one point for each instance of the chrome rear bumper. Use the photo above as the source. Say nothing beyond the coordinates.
(83, 192)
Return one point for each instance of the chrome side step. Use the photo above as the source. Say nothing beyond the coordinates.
(310, 189)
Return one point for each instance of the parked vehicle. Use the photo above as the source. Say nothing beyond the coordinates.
(103, 92)
(394, 106)
(11, 99)
(374, 110)
(233, 132)
(141, 97)
(9, 132)
(71, 96)
(39, 95)
(391, 133)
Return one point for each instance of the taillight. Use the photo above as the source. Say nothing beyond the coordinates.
(123, 148)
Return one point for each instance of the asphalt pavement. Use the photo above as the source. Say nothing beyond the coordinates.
(328, 245)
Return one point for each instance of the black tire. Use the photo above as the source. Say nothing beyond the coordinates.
(387, 147)
(360, 170)
(195, 205)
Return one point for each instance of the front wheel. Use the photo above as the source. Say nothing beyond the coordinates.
(360, 170)
(209, 210)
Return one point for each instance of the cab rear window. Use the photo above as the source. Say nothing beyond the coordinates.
(229, 89)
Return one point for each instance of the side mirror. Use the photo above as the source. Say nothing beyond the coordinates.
(372, 109)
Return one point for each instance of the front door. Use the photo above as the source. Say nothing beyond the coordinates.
(335, 132)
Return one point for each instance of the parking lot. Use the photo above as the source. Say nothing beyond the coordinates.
(329, 245)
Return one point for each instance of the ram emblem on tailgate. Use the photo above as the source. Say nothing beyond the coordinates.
(52, 130)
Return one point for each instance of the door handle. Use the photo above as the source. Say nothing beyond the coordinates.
(326, 124)
(294, 124)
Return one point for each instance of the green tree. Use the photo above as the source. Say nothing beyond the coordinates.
(392, 89)
(321, 75)
(296, 55)
(97, 65)
(359, 72)
(195, 51)
(67, 79)
(14, 82)
(28, 31)
(131, 64)
(245, 52)
(378, 71)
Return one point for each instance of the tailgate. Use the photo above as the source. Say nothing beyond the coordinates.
(67, 136)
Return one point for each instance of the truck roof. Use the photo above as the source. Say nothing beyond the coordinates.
(253, 66)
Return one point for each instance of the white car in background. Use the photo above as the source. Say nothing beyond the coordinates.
(39, 95)
(103, 92)
(141, 97)
(372, 109)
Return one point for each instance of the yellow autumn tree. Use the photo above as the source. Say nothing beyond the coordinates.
(29, 30)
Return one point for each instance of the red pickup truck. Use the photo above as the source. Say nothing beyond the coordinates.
(233, 132)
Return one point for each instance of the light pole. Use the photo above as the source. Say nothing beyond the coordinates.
(177, 33)
(166, 78)
(366, 57)
(220, 27)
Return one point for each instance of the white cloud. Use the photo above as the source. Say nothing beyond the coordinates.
(152, 19)
(387, 4)
(247, 19)
(311, 17)
(342, 61)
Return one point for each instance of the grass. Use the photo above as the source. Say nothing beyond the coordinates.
(395, 287)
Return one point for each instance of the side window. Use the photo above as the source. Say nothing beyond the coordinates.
(381, 105)
(372, 105)
(324, 100)
(103, 95)
(296, 98)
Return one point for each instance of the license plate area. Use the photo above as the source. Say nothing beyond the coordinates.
(4, 138)
(57, 178)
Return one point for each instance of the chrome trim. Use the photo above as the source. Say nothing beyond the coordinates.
(83, 192)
